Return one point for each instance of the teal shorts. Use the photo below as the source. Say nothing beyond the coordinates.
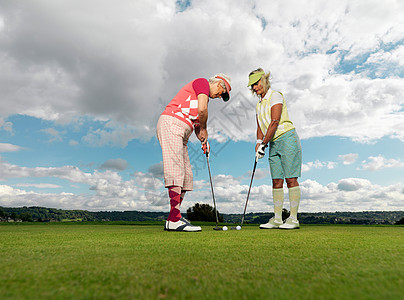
(285, 156)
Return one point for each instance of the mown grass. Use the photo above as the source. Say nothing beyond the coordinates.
(68, 261)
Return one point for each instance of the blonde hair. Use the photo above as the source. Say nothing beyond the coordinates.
(266, 84)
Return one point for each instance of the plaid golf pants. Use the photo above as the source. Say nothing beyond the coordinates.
(173, 135)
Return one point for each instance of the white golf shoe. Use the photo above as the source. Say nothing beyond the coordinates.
(272, 224)
(290, 223)
(181, 225)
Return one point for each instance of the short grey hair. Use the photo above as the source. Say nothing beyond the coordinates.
(215, 79)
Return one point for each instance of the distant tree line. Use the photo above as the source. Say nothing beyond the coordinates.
(199, 212)
(43, 214)
(365, 218)
(23, 217)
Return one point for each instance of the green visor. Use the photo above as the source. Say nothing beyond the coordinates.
(254, 78)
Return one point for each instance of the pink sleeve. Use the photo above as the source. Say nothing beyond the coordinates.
(201, 86)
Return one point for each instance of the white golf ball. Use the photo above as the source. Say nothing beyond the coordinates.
(238, 227)
(224, 228)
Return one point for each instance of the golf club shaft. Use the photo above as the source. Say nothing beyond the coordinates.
(249, 189)
(211, 186)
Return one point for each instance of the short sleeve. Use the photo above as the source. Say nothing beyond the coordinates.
(276, 98)
(201, 86)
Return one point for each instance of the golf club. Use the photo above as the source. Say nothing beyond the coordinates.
(248, 195)
(213, 194)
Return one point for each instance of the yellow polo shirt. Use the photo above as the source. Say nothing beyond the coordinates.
(263, 110)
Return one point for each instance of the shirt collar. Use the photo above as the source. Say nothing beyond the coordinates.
(267, 95)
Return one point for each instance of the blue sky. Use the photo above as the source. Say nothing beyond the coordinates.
(81, 92)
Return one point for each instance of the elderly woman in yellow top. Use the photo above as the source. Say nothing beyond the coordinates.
(276, 130)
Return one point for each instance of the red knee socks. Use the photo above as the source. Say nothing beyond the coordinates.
(174, 192)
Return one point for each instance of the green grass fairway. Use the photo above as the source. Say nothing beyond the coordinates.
(68, 261)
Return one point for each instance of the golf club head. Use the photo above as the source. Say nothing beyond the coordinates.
(217, 228)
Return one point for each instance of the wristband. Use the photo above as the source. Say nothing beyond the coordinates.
(259, 141)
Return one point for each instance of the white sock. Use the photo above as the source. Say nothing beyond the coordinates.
(294, 198)
(278, 196)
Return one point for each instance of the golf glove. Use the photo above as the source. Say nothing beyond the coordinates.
(206, 148)
(261, 151)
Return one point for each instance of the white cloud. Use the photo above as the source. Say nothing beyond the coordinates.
(6, 126)
(73, 143)
(224, 181)
(348, 159)
(9, 147)
(395, 56)
(147, 51)
(56, 136)
(338, 64)
(379, 162)
(117, 164)
(6, 191)
(108, 191)
(371, 106)
(157, 170)
(148, 181)
(259, 174)
(351, 194)
(353, 184)
(318, 165)
(113, 134)
(39, 185)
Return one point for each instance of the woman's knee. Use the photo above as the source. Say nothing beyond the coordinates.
(277, 183)
(292, 182)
